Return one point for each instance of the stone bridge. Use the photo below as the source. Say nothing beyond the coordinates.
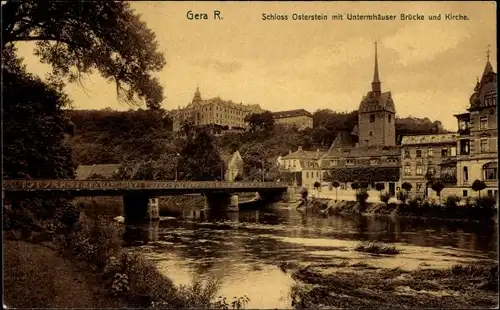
(140, 196)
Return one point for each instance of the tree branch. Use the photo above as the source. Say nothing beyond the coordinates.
(46, 38)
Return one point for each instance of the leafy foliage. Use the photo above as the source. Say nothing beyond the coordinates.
(379, 187)
(406, 186)
(200, 160)
(260, 121)
(478, 186)
(78, 37)
(34, 127)
(363, 174)
(437, 187)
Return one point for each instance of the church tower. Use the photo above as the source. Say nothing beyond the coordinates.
(376, 115)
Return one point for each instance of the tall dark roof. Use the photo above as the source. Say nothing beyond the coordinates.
(343, 140)
(291, 113)
(375, 100)
(485, 89)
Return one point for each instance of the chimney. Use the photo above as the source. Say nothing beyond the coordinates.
(289, 152)
(300, 149)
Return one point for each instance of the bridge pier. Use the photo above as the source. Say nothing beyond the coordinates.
(135, 207)
(154, 209)
(222, 202)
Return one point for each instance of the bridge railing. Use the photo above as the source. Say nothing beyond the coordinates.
(131, 184)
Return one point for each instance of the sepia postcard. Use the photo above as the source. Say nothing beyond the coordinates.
(249, 155)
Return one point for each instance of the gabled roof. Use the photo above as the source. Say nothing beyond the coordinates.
(291, 113)
(362, 151)
(343, 140)
(304, 155)
(107, 170)
(430, 139)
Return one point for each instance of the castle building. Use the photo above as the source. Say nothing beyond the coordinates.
(477, 157)
(375, 158)
(428, 156)
(300, 118)
(214, 111)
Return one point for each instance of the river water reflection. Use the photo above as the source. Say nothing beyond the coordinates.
(244, 249)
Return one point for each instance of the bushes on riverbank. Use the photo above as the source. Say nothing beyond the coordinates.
(480, 209)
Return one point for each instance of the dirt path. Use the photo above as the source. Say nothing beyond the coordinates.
(37, 277)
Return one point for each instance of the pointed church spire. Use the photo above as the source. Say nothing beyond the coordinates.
(477, 84)
(376, 80)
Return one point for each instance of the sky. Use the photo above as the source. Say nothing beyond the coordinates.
(429, 66)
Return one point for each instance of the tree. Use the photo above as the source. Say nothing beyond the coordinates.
(260, 121)
(437, 187)
(380, 187)
(355, 185)
(363, 185)
(76, 37)
(478, 186)
(200, 160)
(34, 127)
(317, 186)
(336, 184)
(406, 186)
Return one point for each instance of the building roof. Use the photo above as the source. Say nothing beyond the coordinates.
(430, 139)
(343, 140)
(362, 151)
(374, 102)
(291, 113)
(107, 171)
(301, 154)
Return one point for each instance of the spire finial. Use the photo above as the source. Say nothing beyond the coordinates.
(488, 52)
(376, 79)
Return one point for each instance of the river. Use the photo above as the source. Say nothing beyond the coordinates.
(244, 249)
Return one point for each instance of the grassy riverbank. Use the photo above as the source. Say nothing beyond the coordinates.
(40, 267)
(345, 285)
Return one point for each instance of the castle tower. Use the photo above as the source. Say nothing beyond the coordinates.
(197, 96)
(376, 115)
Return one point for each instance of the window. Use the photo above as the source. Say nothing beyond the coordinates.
(374, 161)
(490, 193)
(407, 154)
(389, 118)
(419, 153)
(444, 152)
(465, 193)
(419, 187)
(464, 147)
(483, 122)
(490, 171)
(419, 170)
(465, 175)
(371, 133)
(334, 162)
(307, 174)
(350, 162)
(407, 169)
(317, 174)
(430, 152)
(372, 118)
(484, 145)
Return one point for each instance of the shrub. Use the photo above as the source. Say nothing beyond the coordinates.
(452, 201)
(379, 186)
(355, 185)
(361, 197)
(406, 186)
(478, 186)
(384, 197)
(304, 192)
(377, 248)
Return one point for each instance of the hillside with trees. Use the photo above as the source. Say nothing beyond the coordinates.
(145, 137)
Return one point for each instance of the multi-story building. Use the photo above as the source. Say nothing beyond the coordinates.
(214, 111)
(428, 156)
(375, 158)
(304, 162)
(477, 157)
(300, 118)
